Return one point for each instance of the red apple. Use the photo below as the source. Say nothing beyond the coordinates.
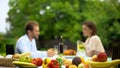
(39, 61)
(102, 57)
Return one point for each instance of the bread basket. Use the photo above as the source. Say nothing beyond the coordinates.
(7, 62)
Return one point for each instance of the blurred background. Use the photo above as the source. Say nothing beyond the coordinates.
(60, 18)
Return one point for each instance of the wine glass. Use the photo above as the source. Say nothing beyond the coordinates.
(56, 49)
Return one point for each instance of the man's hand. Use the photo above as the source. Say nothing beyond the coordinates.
(50, 52)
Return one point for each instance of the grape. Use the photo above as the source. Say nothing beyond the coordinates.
(25, 59)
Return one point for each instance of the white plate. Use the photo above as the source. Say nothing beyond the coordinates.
(69, 57)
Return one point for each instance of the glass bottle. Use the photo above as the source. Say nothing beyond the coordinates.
(61, 44)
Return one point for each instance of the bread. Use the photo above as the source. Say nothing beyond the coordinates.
(16, 56)
(69, 52)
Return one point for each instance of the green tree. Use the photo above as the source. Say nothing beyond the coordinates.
(56, 17)
(65, 17)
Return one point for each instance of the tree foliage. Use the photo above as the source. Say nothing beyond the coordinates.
(65, 17)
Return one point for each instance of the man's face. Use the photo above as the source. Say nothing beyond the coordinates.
(35, 32)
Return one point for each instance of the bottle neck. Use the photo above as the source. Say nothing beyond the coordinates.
(61, 39)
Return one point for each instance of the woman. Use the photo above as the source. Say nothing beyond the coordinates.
(93, 44)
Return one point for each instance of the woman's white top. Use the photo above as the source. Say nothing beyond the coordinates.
(93, 46)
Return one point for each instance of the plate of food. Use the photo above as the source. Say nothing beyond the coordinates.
(69, 54)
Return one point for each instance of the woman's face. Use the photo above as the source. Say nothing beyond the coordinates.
(86, 31)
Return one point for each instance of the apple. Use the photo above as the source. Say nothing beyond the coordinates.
(76, 61)
(37, 61)
(81, 65)
(102, 57)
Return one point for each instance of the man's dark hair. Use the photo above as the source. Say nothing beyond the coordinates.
(29, 25)
(92, 26)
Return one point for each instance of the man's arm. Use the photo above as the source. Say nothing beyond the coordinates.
(22, 47)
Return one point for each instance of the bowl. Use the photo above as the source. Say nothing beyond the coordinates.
(107, 64)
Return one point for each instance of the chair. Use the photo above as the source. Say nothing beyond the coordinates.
(116, 53)
(9, 49)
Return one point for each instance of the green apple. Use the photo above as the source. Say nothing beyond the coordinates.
(81, 65)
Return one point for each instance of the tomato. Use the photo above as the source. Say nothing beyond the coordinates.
(37, 61)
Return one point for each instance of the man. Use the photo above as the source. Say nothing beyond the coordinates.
(27, 42)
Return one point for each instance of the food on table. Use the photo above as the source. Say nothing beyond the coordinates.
(53, 64)
(17, 56)
(82, 60)
(37, 61)
(102, 57)
(25, 59)
(76, 61)
(106, 64)
(69, 52)
(100, 64)
(115, 62)
(72, 66)
(60, 61)
(94, 58)
(67, 63)
(24, 64)
(46, 62)
(82, 65)
(63, 59)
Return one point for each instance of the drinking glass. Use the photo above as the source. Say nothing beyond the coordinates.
(56, 49)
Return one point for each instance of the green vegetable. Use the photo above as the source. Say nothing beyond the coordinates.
(60, 61)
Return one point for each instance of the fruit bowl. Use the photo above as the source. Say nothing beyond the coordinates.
(107, 64)
(99, 64)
